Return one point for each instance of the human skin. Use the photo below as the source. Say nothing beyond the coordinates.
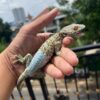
(28, 40)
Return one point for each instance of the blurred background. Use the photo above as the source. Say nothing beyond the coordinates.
(16, 13)
(13, 14)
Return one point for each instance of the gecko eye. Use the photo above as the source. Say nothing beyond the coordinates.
(75, 28)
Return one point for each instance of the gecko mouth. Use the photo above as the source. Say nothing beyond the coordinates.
(80, 33)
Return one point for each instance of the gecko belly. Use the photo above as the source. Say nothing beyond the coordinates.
(38, 61)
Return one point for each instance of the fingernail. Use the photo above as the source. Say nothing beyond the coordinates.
(71, 39)
(50, 34)
(69, 72)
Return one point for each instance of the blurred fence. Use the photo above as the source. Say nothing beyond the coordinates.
(84, 84)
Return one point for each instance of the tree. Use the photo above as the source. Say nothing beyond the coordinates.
(88, 13)
(5, 31)
(3, 45)
(90, 10)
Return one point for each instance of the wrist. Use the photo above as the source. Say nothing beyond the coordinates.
(8, 78)
(7, 64)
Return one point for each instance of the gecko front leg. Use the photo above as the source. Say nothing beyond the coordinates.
(57, 48)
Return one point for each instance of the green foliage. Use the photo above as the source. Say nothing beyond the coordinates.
(62, 2)
(88, 13)
(2, 45)
(90, 10)
(5, 31)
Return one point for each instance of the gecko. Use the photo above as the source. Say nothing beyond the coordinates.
(50, 47)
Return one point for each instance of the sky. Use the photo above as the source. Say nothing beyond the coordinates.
(34, 7)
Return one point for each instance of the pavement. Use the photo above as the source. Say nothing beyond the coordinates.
(52, 92)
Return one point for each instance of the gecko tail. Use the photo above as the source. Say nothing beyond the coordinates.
(20, 80)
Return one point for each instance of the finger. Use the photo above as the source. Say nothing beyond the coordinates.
(67, 40)
(40, 22)
(62, 65)
(43, 12)
(69, 56)
(44, 36)
(53, 71)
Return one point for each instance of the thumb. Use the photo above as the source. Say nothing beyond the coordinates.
(67, 41)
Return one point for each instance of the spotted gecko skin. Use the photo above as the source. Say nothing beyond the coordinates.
(48, 48)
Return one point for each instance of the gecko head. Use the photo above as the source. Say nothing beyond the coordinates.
(73, 29)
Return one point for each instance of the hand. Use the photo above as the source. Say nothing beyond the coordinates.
(28, 41)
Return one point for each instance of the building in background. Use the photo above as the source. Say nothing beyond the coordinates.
(19, 15)
(21, 19)
(55, 26)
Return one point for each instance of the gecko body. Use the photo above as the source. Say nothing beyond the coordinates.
(49, 47)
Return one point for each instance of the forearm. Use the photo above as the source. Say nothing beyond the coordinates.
(7, 78)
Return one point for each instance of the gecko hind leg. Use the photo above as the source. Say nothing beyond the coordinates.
(24, 60)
